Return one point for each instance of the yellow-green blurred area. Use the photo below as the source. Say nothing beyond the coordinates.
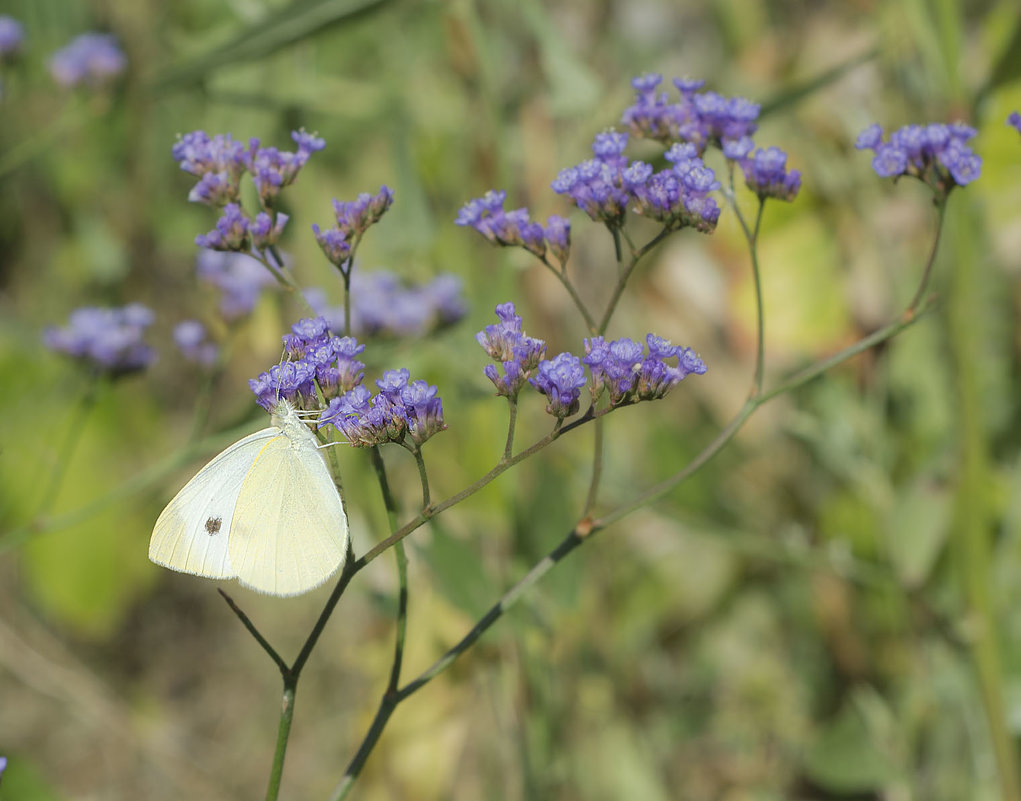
(829, 609)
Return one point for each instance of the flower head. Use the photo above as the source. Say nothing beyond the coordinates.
(353, 219)
(12, 37)
(560, 379)
(240, 278)
(94, 59)
(401, 409)
(382, 305)
(766, 175)
(273, 169)
(935, 154)
(292, 381)
(699, 118)
(506, 343)
(514, 228)
(231, 231)
(190, 338)
(108, 340)
(630, 374)
(1014, 120)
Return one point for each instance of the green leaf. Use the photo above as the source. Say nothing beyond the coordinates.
(284, 27)
(846, 758)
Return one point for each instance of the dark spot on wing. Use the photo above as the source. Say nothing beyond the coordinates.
(213, 525)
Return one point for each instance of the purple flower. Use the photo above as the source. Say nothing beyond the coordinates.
(109, 340)
(558, 237)
(510, 228)
(766, 175)
(1014, 120)
(700, 118)
(273, 169)
(190, 338)
(292, 381)
(384, 306)
(307, 333)
(92, 58)
(240, 278)
(231, 232)
(507, 344)
(266, 229)
(353, 219)
(12, 37)
(560, 380)
(401, 408)
(630, 375)
(936, 154)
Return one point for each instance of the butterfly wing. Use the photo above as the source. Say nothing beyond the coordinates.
(289, 532)
(190, 535)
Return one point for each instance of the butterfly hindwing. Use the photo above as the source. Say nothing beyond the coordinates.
(288, 532)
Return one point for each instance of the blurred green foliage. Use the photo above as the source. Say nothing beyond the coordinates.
(796, 621)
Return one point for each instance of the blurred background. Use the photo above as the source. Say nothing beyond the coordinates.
(828, 610)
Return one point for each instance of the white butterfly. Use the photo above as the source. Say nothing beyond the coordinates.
(265, 511)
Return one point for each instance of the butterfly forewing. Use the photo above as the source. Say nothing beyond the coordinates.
(191, 534)
(288, 533)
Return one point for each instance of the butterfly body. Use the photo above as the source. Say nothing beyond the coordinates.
(264, 511)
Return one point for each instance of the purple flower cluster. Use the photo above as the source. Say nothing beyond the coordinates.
(1014, 120)
(109, 340)
(353, 218)
(12, 37)
(315, 357)
(506, 343)
(630, 374)
(766, 174)
(621, 367)
(219, 162)
(560, 379)
(190, 338)
(604, 186)
(240, 278)
(701, 118)
(399, 410)
(514, 228)
(94, 59)
(383, 306)
(936, 154)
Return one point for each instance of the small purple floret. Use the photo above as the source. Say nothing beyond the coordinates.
(109, 340)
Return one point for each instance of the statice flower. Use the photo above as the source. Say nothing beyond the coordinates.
(597, 186)
(560, 379)
(219, 163)
(317, 354)
(190, 338)
(700, 118)
(630, 374)
(273, 169)
(400, 409)
(94, 59)
(292, 381)
(515, 228)
(12, 37)
(382, 305)
(1014, 120)
(506, 343)
(935, 154)
(679, 196)
(231, 231)
(354, 218)
(240, 278)
(108, 340)
(765, 173)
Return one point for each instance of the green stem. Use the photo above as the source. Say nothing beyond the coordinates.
(597, 467)
(561, 276)
(508, 449)
(972, 531)
(283, 735)
(622, 280)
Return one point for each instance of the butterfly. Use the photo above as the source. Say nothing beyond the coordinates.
(264, 511)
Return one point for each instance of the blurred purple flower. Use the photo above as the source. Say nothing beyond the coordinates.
(240, 277)
(190, 338)
(1014, 120)
(110, 340)
(92, 58)
(353, 218)
(231, 231)
(765, 173)
(12, 37)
